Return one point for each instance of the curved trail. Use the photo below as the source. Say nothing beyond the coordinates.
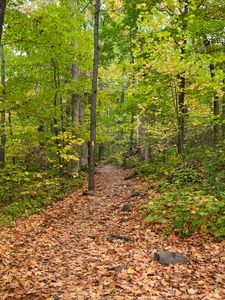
(63, 253)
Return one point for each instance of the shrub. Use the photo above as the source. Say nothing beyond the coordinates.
(187, 211)
(23, 193)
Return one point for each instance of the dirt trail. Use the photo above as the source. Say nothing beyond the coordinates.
(63, 253)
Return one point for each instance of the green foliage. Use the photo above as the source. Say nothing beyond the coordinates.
(192, 197)
(25, 207)
(41, 43)
(184, 176)
(187, 211)
(130, 161)
(23, 193)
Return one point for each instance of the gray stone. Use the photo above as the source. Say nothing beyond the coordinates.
(119, 238)
(137, 195)
(119, 268)
(169, 258)
(127, 207)
(131, 175)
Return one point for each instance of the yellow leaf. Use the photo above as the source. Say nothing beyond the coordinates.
(151, 271)
(130, 271)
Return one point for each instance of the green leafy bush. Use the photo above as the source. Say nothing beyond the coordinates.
(23, 193)
(25, 207)
(185, 175)
(187, 211)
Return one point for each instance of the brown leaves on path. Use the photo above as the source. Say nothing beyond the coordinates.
(64, 253)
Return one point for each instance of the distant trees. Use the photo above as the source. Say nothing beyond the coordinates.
(160, 72)
(178, 93)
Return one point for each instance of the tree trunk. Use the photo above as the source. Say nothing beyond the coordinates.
(181, 115)
(101, 149)
(75, 71)
(2, 115)
(142, 141)
(223, 116)
(2, 16)
(75, 104)
(75, 164)
(216, 127)
(84, 146)
(91, 181)
(181, 84)
(131, 148)
(11, 133)
(216, 111)
(75, 111)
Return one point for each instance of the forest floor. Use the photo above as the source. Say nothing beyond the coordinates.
(63, 253)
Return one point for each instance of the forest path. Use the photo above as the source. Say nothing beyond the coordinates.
(63, 253)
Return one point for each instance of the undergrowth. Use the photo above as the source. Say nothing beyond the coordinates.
(23, 193)
(192, 193)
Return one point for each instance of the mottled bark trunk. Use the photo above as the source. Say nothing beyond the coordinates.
(181, 111)
(216, 111)
(2, 114)
(55, 128)
(216, 127)
(91, 181)
(84, 146)
(2, 16)
(11, 133)
(223, 118)
(56, 125)
(131, 148)
(75, 71)
(181, 115)
(142, 140)
(75, 105)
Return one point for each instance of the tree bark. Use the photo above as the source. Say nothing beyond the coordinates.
(216, 104)
(223, 115)
(142, 141)
(75, 103)
(84, 146)
(181, 115)
(223, 119)
(181, 111)
(91, 181)
(131, 147)
(2, 16)
(101, 149)
(75, 97)
(2, 115)
(216, 110)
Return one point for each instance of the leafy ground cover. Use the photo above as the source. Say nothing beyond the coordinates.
(65, 252)
(23, 192)
(192, 195)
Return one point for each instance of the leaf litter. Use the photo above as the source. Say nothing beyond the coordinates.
(64, 253)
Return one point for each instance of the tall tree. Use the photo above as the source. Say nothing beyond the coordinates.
(91, 182)
(2, 16)
(2, 113)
